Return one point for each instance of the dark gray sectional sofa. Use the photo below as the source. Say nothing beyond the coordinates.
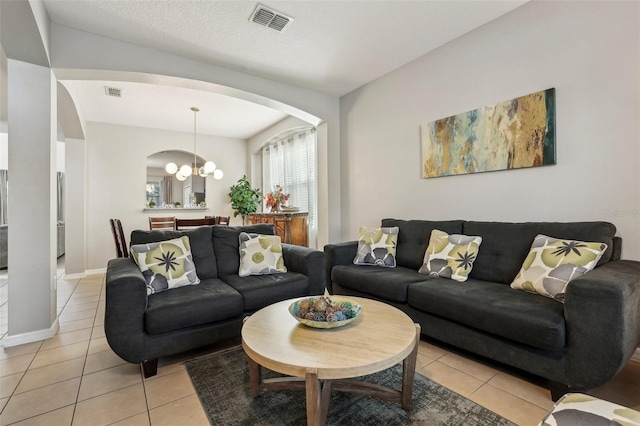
(141, 328)
(577, 345)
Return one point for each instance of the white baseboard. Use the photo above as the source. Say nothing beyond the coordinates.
(84, 274)
(636, 355)
(69, 277)
(32, 336)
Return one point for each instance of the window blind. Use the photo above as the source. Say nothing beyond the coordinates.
(292, 163)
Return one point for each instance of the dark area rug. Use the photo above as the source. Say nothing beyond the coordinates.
(222, 383)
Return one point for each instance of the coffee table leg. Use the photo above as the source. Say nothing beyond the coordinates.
(408, 372)
(255, 377)
(325, 397)
(314, 407)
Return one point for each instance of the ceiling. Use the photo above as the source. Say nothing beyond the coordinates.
(332, 47)
(169, 108)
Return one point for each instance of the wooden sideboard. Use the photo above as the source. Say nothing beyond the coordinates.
(291, 227)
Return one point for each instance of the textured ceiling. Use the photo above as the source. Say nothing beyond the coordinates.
(331, 47)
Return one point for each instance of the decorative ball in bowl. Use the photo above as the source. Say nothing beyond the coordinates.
(324, 312)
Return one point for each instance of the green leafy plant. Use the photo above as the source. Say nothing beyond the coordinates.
(152, 204)
(177, 204)
(244, 199)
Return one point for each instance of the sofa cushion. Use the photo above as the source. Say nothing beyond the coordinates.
(260, 254)
(208, 302)
(552, 263)
(165, 265)
(450, 256)
(493, 308)
(385, 283)
(227, 247)
(199, 240)
(377, 246)
(413, 238)
(506, 245)
(259, 291)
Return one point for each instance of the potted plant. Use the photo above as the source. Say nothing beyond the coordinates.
(244, 199)
(177, 204)
(152, 204)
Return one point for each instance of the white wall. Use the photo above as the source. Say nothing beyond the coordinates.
(4, 151)
(116, 179)
(588, 51)
(75, 258)
(32, 202)
(60, 156)
(3, 91)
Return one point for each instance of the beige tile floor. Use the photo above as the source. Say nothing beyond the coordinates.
(75, 378)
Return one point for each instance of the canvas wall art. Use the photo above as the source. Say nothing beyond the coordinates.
(512, 134)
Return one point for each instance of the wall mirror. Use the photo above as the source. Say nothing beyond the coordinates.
(164, 189)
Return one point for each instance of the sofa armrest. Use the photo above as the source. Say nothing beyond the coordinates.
(306, 261)
(126, 303)
(602, 314)
(339, 254)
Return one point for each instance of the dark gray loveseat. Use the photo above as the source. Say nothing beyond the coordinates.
(577, 345)
(141, 328)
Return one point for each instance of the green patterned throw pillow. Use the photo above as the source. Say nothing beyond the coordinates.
(260, 254)
(166, 264)
(450, 256)
(581, 409)
(377, 246)
(552, 263)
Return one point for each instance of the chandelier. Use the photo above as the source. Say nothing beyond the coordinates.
(208, 168)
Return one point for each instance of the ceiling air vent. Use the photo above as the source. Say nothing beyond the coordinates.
(270, 18)
(113, 91)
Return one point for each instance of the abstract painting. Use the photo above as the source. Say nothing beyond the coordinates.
(512, 134)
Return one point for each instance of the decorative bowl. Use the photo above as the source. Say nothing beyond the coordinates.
(314, 311)
(289, 209)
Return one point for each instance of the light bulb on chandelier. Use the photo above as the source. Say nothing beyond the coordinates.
(207, 169)
(185, 170)
(171, 168)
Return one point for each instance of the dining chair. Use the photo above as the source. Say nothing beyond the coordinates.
(193, 223)
(118, 238)
(162, 222)
(223, 220)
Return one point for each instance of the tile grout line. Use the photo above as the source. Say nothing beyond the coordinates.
(512, 394)
(84, 366)
(34, 357)
(146, 401)
(24, 373)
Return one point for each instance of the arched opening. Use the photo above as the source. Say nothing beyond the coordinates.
(172, 190)
(144, 143)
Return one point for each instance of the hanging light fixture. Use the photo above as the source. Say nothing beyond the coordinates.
(208, 168)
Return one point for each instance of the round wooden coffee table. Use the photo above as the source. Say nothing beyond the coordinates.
(319, 360)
